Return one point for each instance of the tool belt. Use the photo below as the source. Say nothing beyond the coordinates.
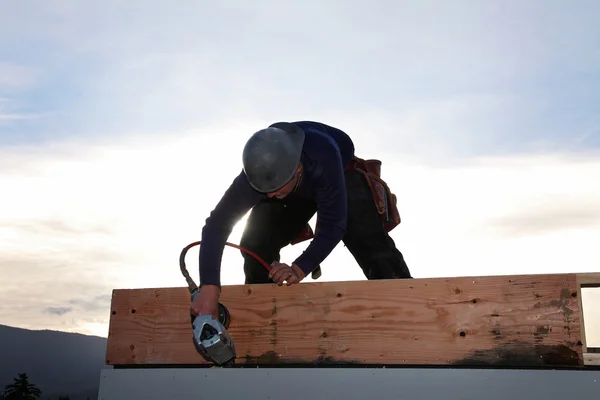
(385, 201)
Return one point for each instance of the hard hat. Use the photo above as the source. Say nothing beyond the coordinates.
(272, 155)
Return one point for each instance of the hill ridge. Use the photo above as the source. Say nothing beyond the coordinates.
(58, 362)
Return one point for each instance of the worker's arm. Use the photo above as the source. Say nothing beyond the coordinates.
(332, 205)
(239, 198)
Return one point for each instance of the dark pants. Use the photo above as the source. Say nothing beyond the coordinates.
(274, 223)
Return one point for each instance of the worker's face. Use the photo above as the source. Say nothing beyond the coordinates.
(289, 187)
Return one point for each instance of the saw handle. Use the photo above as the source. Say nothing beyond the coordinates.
(224, 315)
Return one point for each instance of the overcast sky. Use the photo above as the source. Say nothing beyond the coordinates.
(122, 123)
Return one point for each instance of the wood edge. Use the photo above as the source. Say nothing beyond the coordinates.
(584, 279)
(109, 335)
(591, 359)
(588, 279)
(593, 363)
(581, 313)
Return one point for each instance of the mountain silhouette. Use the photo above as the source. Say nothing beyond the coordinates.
(59, 363)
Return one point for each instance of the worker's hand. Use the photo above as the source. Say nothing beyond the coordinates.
(206, 301)
(284, 273)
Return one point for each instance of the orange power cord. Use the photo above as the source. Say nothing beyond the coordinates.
(191, 284)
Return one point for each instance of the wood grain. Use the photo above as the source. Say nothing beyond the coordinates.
(520, 321)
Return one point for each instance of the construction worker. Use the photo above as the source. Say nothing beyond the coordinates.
(290, 172)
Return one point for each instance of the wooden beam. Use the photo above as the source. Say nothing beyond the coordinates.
(510, 321)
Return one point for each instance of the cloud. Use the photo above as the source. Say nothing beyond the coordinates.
(545, 218)
(14, 117)
(58, 310)
(444, 83)
(15, 76)
(81, 218)
(87, 305)
(11, 112)
(52, 227)
(97, 303)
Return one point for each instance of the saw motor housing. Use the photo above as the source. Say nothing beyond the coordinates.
(211, 338)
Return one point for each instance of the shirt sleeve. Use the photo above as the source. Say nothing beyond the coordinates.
(332, 208)
(239, 198)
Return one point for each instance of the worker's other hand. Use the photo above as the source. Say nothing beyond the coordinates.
(284, 273)
(206, 301)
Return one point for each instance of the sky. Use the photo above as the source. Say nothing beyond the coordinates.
(122, 123)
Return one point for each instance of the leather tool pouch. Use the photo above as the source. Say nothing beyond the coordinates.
(385, 201)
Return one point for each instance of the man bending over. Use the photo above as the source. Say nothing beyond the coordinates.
(290, 172)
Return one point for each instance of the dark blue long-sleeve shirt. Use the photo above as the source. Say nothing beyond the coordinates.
(326, 152)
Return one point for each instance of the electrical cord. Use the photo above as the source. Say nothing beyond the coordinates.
(191, 284)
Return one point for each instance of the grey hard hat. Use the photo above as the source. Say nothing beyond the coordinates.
(272, 155)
